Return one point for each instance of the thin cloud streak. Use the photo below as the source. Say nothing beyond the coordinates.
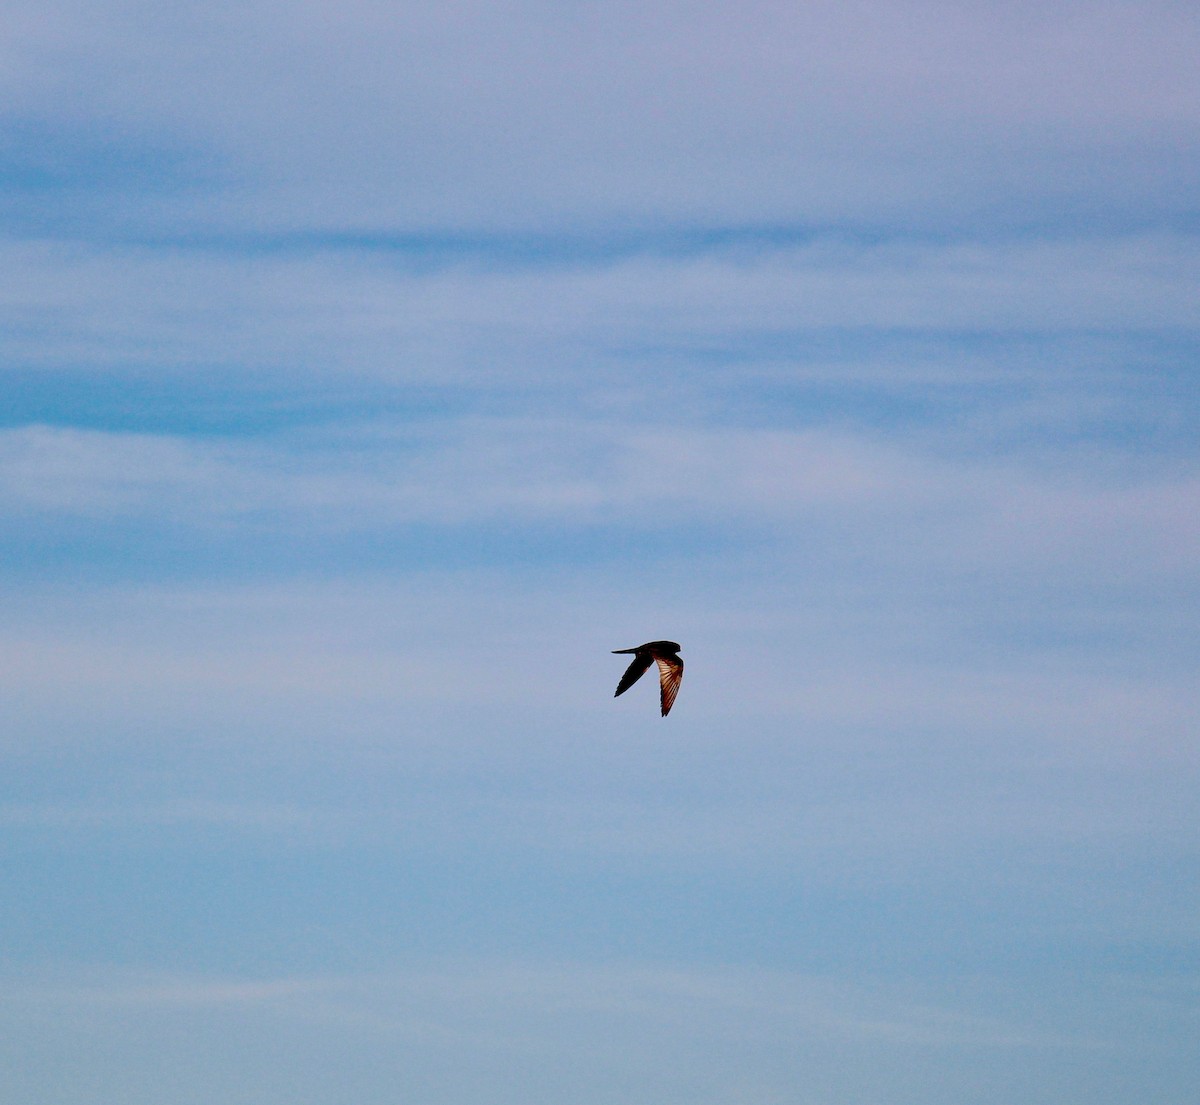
(614, 114)
(475, 472)
(360, 312)
(565, 1028)
(535, 992)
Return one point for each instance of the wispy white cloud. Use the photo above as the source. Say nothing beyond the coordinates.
(470, 115)
(973, 514)
(92, 988)
(567, 1028)
(472, 998)
(537, 325)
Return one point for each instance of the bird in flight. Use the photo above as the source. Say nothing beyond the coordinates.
(670, 669)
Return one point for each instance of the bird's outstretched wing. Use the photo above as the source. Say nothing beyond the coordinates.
(641, 661)
(670, 675)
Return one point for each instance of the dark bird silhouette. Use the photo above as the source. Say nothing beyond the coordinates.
(670, 669)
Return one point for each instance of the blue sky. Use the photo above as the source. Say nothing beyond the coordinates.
(370, 374)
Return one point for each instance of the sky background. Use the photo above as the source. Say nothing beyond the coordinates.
(371, 371)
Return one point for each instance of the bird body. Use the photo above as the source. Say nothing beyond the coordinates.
(670, 669)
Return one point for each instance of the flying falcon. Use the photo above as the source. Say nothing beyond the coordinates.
(670, 669)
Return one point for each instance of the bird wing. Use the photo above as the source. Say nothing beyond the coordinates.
(670, 675)
(641, 661)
